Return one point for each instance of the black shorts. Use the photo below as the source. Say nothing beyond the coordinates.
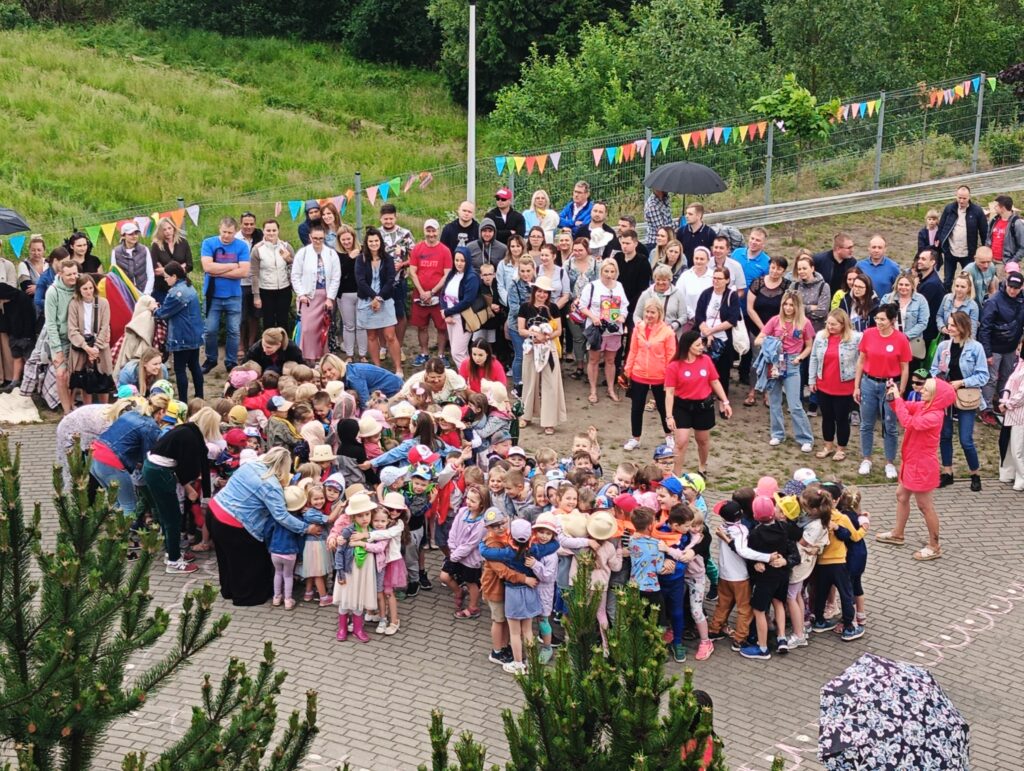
(249, 311)
(22, 347)
(696, 414)
(767, 589)
(461, 573)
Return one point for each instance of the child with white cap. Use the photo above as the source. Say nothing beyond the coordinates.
(522, 601)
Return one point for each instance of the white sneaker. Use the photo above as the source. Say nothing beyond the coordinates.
(797, 642)
(382, 626)
(865, 468)
(179, 567)
(371, 618)
(1018, 487)
(890, 471)
(774, 442)
(631, 445)
(514, 667)
(806, 447)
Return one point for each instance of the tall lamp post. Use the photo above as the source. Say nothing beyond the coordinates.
(471, 108)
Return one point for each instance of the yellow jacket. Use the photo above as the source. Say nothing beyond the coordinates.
(835, 552)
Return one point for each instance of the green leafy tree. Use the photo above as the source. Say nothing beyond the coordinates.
(71, 619)
(798, 109)
(613, 712)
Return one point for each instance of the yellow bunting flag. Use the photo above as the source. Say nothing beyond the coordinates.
(519, 160)
(959, 90)
(871, 107)
(108, 229)
(686, 141)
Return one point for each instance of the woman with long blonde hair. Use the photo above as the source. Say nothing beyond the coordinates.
(796, 335)
(169, 245)
(831, 372)
(540, 214)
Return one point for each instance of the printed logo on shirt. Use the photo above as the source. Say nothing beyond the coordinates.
(611, 308)
(889, 349)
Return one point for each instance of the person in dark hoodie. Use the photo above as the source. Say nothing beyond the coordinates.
(487, 248)
(312, 217)
(770, 582)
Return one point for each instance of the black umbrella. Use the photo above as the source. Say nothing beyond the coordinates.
(684, 177)
(883, 714)
(11, 222)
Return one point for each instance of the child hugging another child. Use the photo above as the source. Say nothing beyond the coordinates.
(388, 526)
(522, 600)
(284, 545)
(810, 533)
(832, 569)
(315, 559)
(464, 564)
(848, 502)
(355, 584)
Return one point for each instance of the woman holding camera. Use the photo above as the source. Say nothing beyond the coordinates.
(605, 307)
(89, 334)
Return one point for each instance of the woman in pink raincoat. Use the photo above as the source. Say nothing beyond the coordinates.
(919, 472)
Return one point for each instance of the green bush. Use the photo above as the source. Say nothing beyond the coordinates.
(830, 179)
(13, 15)
(1005, 147)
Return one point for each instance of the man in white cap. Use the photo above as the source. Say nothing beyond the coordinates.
(133, 258)
(429, 263)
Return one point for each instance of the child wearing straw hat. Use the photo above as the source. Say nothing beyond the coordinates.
(355, 584)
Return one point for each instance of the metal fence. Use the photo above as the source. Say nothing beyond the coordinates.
(883, 140)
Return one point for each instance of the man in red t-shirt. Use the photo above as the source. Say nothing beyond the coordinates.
(429, 263)
(1006, 232)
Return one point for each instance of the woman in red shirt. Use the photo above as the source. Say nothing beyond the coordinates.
(691, 382)
(481, 365)
(831, 372)
(884, 355)
(652, 348)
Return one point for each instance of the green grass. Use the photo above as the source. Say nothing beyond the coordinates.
(112, 118)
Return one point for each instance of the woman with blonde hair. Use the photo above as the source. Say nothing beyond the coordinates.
(273, 351)
(796, 336)
(831, 372)
(121, 448)
(652, 348)
(143, 371)
(353, 336)
(169, 245)
(664, 236)
(540, 214)
(606, 308)
(181, 456)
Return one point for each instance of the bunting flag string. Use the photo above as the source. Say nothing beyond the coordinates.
(499, 163)
(93, 232)
(555, 158)
(371, 193)
(294, 207)
(17, 244)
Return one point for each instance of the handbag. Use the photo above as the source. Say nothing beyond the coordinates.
(478, 313)
(740, 338)
(918, 349)
(91, 381)
(968, 398)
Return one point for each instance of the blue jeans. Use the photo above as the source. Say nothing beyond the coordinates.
(872, 407)
(105, 475)
(965, 429)
(790, 384)
(517, 359)
(673, 594)
(231, 308)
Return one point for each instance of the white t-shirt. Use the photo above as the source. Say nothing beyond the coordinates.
(607, 304)
(691, 285)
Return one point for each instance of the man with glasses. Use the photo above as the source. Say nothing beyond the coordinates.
(576, 214)
(225, 262)
(833, 264)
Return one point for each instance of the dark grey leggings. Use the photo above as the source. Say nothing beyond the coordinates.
(835, 417)
(638, 397)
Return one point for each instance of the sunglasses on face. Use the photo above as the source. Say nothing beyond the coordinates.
(917, 383)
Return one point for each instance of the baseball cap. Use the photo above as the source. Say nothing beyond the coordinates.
(252, 432)
(626, 502)
(278, 404)
(431, 223)
(422, 471)
(128, 228)
(494, 516)
(237, 415)
(694, 481)
(673, 485)
(236, 438)
(517, 451)
(127, 391)
(764, 508)
(422, 454)
(789, 504)
(501, 436)
(728, 510)
(767, 486)
(503, 194)
(1016, 280)
(521, 530)
(805, 475)
(663, 451)
(389, 475)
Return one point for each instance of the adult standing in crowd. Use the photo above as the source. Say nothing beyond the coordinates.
(461, 230)
(960, 361)
(817, 299)
(1011, 436)
(274, 349)
(962, 228)
(961, 298)
(831, 376)
(89, 336)
(605, 306)
(657, 214)
(652, 348)
(313, 217)
(1006, 232)
(693, 232)
(634, 270)
(240, 515)
(929, 286)
(429, 263)
(180, 309)
(169, 245)
(834, 263)
(331, 219)
(547, 267)
(764, 301)
(1000, 331)
(398, 243)
(919, 472)
(133, 259)
(507, 221)
(487, 248)
(581, 270)
(718, 311)
(541, 215)
(539, 326)
(796, 336)
(878, 267)
(691, 385)
(753, 258)
(860, 301)
(375, 283)
(459, 292)
(353, 335)
(250, 327)
(79, 246)
(270, 263)
(913, 315)
(884, 356)
(316, 276)
(575, 215)
(225, 261)
(984, 274)
(58, 300)
(662, 238)
(674, 308)
(694, 281)
(721, 258)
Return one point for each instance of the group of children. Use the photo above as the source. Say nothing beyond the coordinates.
(389, 480)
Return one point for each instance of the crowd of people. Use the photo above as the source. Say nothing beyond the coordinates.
(320, 461)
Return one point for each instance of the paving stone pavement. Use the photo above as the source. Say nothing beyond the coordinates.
(961, 616)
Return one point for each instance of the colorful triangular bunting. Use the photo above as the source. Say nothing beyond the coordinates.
(718, 134)
(294, 207)
(371, 193)
(967, 87)
(413, 178)
(555, 158)
(991, 84)
(686, 141)
(144, 223)
(762, 127)
(655, 144)
(108, 231)
(94, 234)
(610, 152)
(664, 145)
(519, 160)
(384, 189)
(531, 161)
(726, 133)
(597, 152)
(641, 146)
(17, 244)
(499, 164)
(958, 90)
(542, 161)
(976, 82)
(193, 213)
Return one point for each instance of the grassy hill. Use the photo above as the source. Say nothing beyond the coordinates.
(112, 117)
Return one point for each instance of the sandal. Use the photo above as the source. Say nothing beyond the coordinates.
(927, 553)
(592, 398)
(887, 537)
(549, 431)
(614, 397)
(468, 614)
(750, 401)
(823, 452)
(523, 422)
(840, 454)
(203, 547)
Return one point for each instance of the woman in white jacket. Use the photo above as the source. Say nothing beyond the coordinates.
(316, 276)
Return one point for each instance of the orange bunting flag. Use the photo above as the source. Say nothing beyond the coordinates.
(762, 127)
(686, 141)
(178, 216)
(630, 151)
(350, 194)
(531, 161)
(542, 161)
(323, 201)
(718, 134)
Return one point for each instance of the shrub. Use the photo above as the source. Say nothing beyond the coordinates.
(13, 15)
(1005, 147)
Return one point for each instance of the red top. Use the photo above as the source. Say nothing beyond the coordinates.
(829, 382)
(691, 379)
(883, 355)
(998, 237)
(222, 515)
(432, 263)
(496, 372)
(105, 455)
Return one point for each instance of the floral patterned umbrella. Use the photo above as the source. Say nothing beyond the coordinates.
(882, 714)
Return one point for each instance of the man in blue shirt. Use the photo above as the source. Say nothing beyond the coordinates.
(576, 214)
(880, 269)
(752, 257)
(225, 263)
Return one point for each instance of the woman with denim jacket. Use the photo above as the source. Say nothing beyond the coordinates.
(831, 372)
(960, 299)
(184, 317)
(960, 361)
(913, 314)
(118, 452)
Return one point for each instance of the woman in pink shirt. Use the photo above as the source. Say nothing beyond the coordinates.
(797, 336)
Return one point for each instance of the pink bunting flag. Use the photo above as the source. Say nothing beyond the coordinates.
(854, 109)
(598, 152)
(641, 146)
(708, 135)
(277, 209)
(371, 193)
(967, 87)
(338, 200)
(844, 111)
(425, 179)
(408, 183)
(718, 134)
(555, 158)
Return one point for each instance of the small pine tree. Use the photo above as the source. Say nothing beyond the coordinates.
(601, 712)
(71, 619)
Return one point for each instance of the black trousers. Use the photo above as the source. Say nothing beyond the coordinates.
(723, 365)
(277, 308)
(246, 572)
(185, 362)
(835, 417)
(638, 399)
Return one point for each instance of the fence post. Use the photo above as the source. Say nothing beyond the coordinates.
(977, 124)
(878, 140)
(512, 184)
(768, 163)
(359, 201)
(181, 205)
(647, 158)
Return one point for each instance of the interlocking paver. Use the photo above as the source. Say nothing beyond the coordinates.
(375, 699)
